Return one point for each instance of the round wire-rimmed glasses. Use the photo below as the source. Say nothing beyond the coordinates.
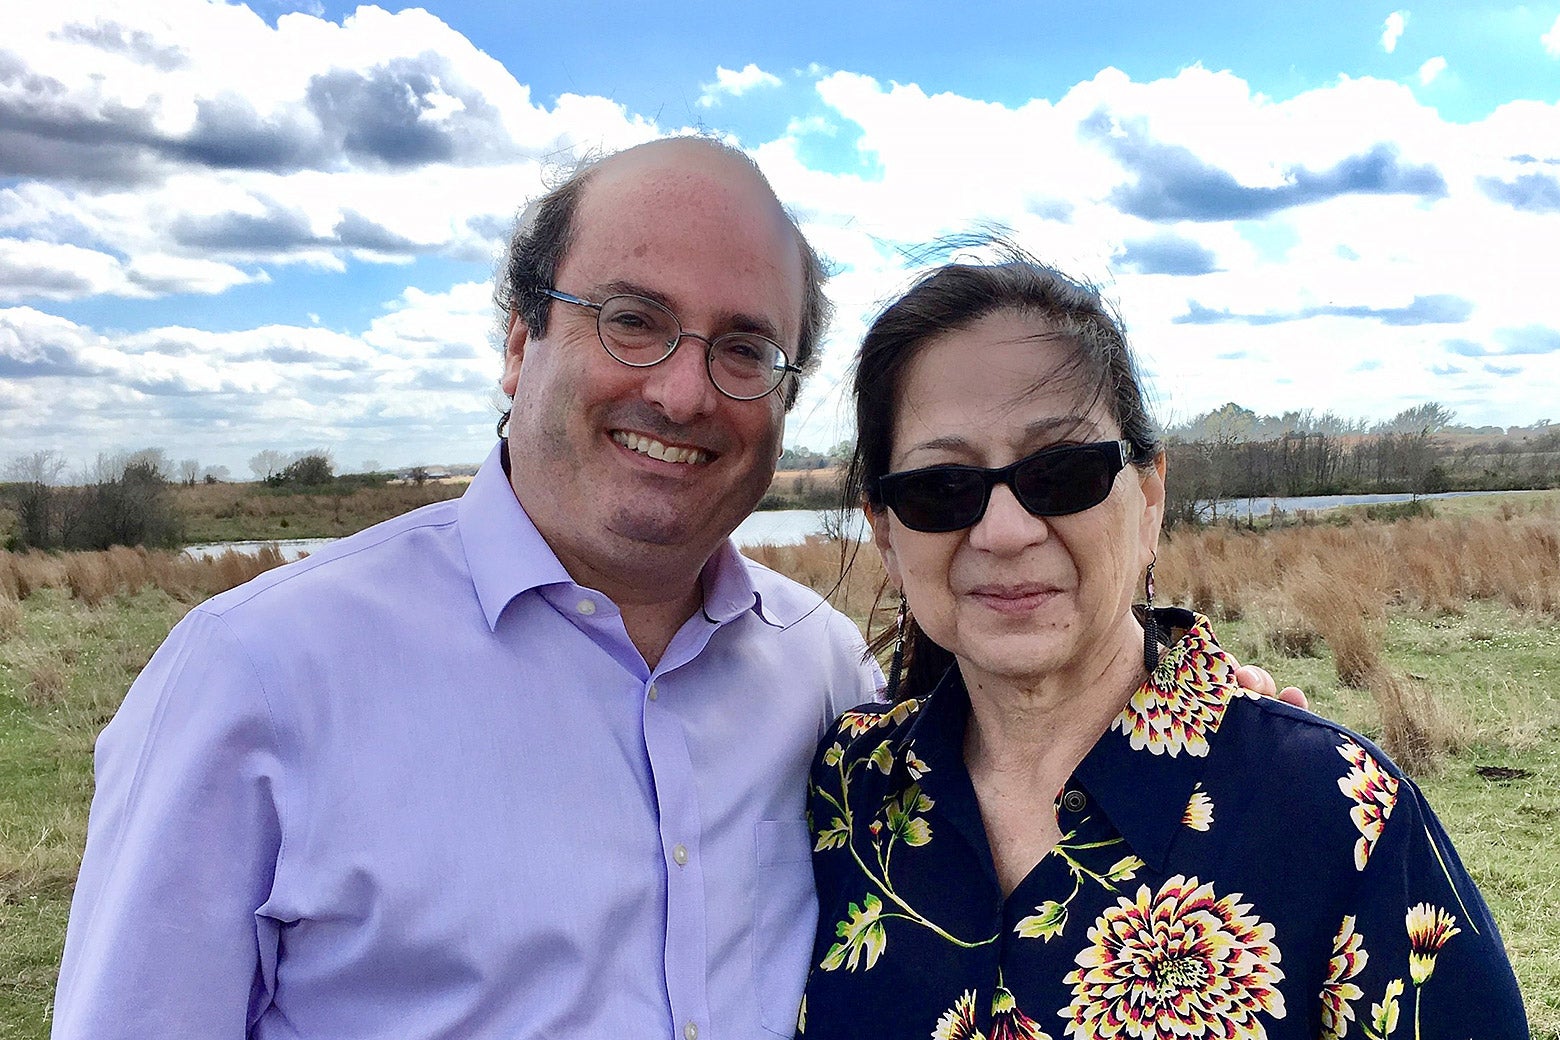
(640, 333)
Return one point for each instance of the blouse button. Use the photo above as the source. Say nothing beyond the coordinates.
(654, 693)
(680, 854)
(1074, 800)
(691, 1031)
(586, 607)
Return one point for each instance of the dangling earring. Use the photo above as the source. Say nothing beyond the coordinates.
(1150, 623)
(900, 620)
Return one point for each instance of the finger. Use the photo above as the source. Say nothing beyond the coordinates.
(1294, 695)
(1256, 679)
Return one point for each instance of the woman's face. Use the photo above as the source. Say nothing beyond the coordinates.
(1015, 595)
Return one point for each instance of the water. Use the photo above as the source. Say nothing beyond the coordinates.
(793, 526)
(1248, 507)
(291, 548)
(772, 527)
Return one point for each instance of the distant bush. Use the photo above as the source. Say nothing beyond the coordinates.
(312, 470)
(131, 503)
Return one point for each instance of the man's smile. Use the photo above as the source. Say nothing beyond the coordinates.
(657, 450)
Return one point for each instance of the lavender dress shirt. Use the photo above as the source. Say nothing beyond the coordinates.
(422, 785)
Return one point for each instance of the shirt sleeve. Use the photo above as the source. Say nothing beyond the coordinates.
(182, 844)
(861, 679)
(1418, 955)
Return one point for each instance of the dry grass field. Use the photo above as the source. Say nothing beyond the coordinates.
(1437, 636)
(249, 512)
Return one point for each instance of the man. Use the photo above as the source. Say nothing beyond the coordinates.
(532, 763)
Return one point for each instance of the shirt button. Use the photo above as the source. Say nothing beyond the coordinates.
(653, 692)
(691, 1031)
(586, 607)
(1074, 801)
(680, 854)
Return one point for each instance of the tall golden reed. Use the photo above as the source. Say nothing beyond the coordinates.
(93, 577)
(1338, 582)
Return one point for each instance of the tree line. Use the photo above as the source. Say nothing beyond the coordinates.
(1231, 453)
(126, 498)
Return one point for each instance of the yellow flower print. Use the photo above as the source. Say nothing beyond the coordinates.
(1428, 929)
(1183, 702)
(1374, 793)
(855, 723)
(1199, 810)
(1176, 963)
(1007, 1021)
(1384, 1016)
(958, 1022)
(1348, 960)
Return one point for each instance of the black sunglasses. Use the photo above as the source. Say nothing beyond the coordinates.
(1056, 481)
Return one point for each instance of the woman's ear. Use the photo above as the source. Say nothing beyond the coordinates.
(878, 518)
(1153, 483)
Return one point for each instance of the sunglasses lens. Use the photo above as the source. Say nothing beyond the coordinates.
(1067, 481)
(942, 499)
(1052, 482)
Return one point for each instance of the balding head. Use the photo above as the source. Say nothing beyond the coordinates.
(546, 231)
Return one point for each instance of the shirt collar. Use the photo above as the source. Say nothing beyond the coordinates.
(505, 552)
(1141, 773)
(508, 556)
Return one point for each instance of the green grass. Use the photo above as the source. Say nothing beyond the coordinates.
(61, 676)
(1493, 671)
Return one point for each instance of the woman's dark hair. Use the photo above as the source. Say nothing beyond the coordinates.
(950, 299)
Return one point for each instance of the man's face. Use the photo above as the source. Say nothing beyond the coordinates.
(637, 475)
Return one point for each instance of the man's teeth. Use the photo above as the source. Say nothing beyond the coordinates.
(656, 450)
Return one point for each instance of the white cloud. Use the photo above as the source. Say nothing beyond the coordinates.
(421, 378)
(1430, 70)
(1065, 176)
(1278, 197)
(735, 84)
(1551, 39)
(1392, 31)
(218, 137)
(55, 271)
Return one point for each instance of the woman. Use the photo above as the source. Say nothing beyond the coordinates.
(1070, 821)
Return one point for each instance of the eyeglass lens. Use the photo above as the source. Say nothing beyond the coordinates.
(1053, 482)
(641, 333)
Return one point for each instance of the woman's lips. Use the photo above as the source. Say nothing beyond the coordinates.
(1013, 599)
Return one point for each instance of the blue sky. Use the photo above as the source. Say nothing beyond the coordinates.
(225, 228)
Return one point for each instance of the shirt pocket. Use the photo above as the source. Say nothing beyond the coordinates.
(785, 914)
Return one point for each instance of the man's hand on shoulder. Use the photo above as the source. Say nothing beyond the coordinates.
(1259, 680)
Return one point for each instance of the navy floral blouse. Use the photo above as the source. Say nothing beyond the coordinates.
(1229, 867)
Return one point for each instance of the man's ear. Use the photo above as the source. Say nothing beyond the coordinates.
(515, 338)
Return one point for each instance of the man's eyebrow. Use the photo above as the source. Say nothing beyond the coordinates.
(728, 322)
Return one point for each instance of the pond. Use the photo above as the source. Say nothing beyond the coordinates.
(793, 526)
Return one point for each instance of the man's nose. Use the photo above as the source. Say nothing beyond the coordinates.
(680, 385)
